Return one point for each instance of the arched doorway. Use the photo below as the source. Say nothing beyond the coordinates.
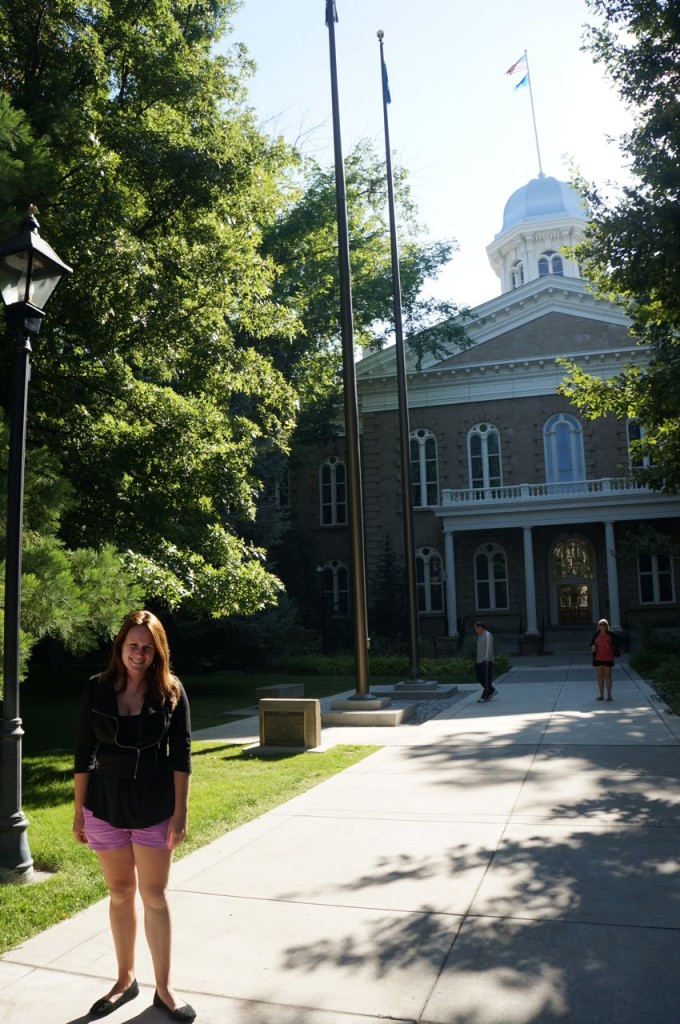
(573, 582)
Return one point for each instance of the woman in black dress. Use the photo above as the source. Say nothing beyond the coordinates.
(131, 777)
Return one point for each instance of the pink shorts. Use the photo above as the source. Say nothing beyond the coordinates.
(102, 836)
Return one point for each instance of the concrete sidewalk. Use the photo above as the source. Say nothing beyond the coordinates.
(514, 862)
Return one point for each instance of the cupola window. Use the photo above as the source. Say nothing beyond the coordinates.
(550, 262)
(517, 274)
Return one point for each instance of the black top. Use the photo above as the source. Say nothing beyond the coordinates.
(131, 758)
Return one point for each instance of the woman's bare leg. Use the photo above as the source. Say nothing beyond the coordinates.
(600, 680)
(153, 870)
(608, 679)
(118, 868)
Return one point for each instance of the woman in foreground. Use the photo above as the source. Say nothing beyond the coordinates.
(131, 777)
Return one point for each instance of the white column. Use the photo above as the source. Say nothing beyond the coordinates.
(530, 582)
(451, 605)
(612, 577)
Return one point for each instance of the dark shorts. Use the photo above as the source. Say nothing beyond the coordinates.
(102, 836)
(609, 663)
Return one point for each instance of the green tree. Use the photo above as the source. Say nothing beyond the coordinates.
(302, 242)
(159, 190)
(387, 613)
(202, 311)
(76, 596)
(632, 247)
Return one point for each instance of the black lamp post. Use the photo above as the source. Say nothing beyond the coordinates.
(30, 270)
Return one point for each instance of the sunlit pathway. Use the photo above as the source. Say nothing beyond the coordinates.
(513, 862)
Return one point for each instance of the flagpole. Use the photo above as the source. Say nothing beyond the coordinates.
(404, 428)
(533, 116)
(355, 503)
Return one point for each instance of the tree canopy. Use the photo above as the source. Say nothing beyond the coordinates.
(201, 315)
(159, 186)
(632, 247)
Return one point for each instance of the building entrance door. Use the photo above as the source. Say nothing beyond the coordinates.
(574, 603)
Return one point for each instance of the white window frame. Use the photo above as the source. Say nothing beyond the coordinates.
(577, 458)
(550, 263)
(517, 274)
(430, 581)
(638, 428)
(329, 471)
(422, 487)
(484, 431)
(655, 572)
(490, 552)
(336, 588)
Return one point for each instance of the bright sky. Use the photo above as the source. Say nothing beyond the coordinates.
(456, 122)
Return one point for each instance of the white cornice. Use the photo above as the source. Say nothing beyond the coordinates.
(504, 313)
(486, 381)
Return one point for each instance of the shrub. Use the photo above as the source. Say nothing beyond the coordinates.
(384, 665)
(648, 659)
(666, 677)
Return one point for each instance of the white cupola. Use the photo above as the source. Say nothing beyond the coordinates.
(539, 220)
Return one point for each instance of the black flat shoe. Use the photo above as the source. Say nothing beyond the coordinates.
(103, 1007)
(184, 1013)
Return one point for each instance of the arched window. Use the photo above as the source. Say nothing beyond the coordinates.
(333, 492)
(517, 274)
(429, 580)
(491, 578)
(571, 558)
(336, 588)
(484, 451)
(655, 575)
(563, 442)
(636, 432)
(550, 262)
(424, 471)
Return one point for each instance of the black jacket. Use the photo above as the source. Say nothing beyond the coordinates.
(131, 759)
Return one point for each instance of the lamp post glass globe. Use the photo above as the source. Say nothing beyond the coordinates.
(30, 269)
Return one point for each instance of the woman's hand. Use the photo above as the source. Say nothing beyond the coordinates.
(79, 827)
(177, 830)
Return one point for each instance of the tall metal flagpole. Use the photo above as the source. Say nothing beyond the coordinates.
(533, 116)
(355, 502)
(404, 428)
(517, 68)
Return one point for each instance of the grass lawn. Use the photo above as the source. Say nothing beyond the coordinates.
(229, 786)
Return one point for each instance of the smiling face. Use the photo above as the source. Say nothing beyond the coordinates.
(138, 652)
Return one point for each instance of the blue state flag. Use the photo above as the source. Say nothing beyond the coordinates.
(386, 84)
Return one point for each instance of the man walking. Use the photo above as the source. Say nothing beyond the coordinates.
(484, 663)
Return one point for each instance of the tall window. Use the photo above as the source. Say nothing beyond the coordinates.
(550, 262)
(563, 440)
(655, 575)
(333, 492)
(517, 274)
(424, 472)
(491, 578)
(572, 558)
(429, 580)
(484, 448)
(336, 588)
(636, 432)
(277, 492)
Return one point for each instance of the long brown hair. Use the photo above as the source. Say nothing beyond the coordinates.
(160, 681)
